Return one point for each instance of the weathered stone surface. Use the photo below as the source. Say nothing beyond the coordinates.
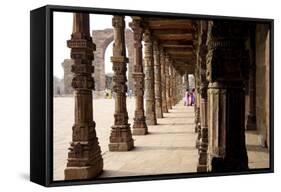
(163, 81)
(120, 137)
(84, 157)
(202, 139)
(227, 60)
(262, 83)
(157, 80)
(139, 126)
(149, 79)
(167, 72)
(102, 38)
(68, 76)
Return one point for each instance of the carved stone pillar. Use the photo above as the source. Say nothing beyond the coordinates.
(121, 137)
(139, 127)
(171, 84)
(149, 79)
(227, 61)
(179, 87)
(163, 81)
(203, 139)
(167, 71)
(197, 99)
(251, 113)
(172, 87)
(186, 81)
(157, 78)
(84, 158)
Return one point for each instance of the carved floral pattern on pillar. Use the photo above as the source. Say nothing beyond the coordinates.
(84, 157)
(167, 71)
(157, 80)
(139, 126)
(163, 81)
(120, 137)
(202, 165)
(149, 79)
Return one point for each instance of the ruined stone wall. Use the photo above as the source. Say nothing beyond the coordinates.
(102, 38)
(67, 76)
(262, 82)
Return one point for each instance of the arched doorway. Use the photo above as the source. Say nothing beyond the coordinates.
(104, 40)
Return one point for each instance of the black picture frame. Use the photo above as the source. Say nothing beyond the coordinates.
(41, 94)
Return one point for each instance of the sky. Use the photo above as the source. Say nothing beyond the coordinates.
(62, 32)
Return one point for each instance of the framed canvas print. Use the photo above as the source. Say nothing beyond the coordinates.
(123, 95)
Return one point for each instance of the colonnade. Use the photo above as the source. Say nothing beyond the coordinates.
(157, 85)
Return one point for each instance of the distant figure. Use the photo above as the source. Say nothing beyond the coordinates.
(189, 99)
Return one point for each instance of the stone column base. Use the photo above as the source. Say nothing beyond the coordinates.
(121, 138)
(140, 131)
(164, 109)
(87, 172)
(151, 121)
(122, 146)
(159, 115)
(202, 168)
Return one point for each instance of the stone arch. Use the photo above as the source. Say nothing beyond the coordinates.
(102, 38)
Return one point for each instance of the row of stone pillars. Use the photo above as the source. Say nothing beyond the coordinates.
(157, 81)
(221, 74)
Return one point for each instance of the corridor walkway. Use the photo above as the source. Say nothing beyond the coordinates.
(168, 148)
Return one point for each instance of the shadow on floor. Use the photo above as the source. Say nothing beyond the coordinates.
(256, 148)
(163, 148)
(175, 124)
(177, 117)
(170, 133)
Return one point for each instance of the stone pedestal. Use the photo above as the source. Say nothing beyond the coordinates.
(120, 137)
(149, 80)
(84, 157)
(139, 126)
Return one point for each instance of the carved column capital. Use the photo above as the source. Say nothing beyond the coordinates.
(226, 44)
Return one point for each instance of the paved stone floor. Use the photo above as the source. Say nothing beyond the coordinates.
(168, 148)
